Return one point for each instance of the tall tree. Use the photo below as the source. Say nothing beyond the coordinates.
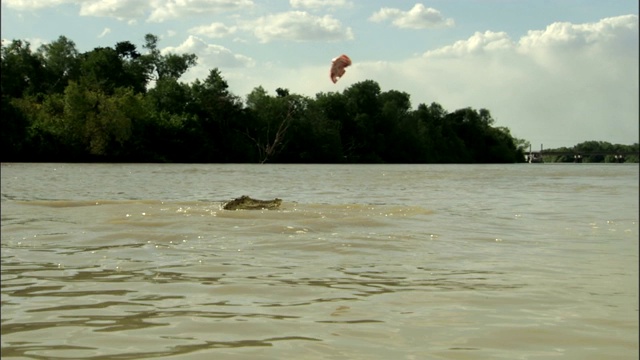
(391, 143)
(220, 115)
(137, 70)
(271, 119)
(102, 70)
(363, 106)
(169, 65)
(22, 71)
(103, 122)
(61, 62)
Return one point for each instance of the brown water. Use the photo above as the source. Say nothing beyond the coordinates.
(530, 261)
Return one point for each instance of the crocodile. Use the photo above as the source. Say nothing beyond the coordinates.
(247, 203)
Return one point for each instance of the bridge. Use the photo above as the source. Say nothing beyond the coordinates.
(619, 156)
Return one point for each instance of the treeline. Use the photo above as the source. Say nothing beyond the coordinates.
(116, 104)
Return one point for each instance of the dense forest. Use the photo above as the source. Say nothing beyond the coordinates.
(118, 104)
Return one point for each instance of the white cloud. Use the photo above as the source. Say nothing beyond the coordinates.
(610, 36)
(568, 80)
(118, 9)
(478, 43)
(214, 30)
(210, 55)
(320, 4)
(158, 10)
(164, 10)
(34, 4)
(419, 17)
(298, 26)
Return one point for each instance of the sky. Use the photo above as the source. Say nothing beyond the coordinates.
(555, 72)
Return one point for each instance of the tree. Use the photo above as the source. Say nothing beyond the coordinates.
(170, 65)
(270, 120)
(442, 143)
(391, 129)
(363, 108)
(137, 70)
(102, 70)
(61, 63)
(170, 96)
(22, 71)
(220, 115)
(102, 123)
(13, 134)
(333, 125)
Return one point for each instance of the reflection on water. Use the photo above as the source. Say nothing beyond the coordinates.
(464, 265)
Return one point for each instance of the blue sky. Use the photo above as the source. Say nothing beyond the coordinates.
(555, 72)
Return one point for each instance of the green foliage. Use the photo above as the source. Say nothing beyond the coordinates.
(61, 63)
(118, 104)
(270, 118)
(166, 66)
(23, 72)
(13, 135)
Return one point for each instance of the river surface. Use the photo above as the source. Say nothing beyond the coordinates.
(139, 261)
